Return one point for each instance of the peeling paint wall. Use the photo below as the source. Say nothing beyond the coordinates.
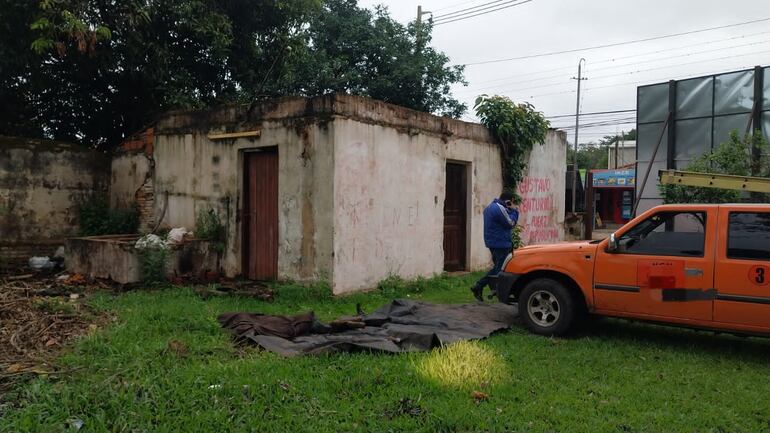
(194, 173)
(129, 173)
(41, 184)
(543, 191)
(389, 190)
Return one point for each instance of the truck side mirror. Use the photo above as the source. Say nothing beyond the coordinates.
(612, 246)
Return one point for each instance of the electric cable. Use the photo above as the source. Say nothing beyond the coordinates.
(616, 44)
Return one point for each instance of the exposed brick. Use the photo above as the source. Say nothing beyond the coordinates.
(140, 142)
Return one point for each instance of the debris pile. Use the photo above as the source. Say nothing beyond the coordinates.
(39, 316)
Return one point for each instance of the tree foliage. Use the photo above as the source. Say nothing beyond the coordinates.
(733, 157)
(98, 70)
(517, 128)
(592, 155)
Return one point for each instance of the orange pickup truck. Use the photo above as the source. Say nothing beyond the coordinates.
(700, 266)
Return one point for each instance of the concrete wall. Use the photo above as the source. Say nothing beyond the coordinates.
(129, 172)
(41, 184)
(193, 173)
(131, 182)
(389, 190)
(543, 191)
(114, 257)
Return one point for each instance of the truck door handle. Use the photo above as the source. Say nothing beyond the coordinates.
(693, 272)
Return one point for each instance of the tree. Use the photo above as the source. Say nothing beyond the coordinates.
(733, 157)
(517, 128)
(368, 53)
(592, 155)
(98, 70)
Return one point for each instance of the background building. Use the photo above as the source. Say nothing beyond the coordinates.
(626, 155)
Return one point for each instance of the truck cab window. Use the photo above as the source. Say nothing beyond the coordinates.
(748, 236)
(667, 234)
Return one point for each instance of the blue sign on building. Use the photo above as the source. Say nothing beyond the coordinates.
(614, 178)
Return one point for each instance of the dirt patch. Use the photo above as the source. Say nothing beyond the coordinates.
(39, 317)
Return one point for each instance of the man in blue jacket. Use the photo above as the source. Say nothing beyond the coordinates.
(500, 217)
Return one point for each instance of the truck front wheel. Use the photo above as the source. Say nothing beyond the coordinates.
(547, 307)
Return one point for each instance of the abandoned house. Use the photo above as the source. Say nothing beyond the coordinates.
(338, 188)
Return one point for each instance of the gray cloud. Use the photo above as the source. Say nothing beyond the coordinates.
(543, 26)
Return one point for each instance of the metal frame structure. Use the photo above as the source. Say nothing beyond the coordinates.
(721, 181)
(761, 105)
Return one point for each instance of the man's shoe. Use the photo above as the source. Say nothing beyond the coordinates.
(478, 293)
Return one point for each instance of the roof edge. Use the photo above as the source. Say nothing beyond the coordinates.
(236, 117)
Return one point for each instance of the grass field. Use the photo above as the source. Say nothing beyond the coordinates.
(614, 377)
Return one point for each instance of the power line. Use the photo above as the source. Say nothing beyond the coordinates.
(483, 13)
(595, 113)
(601, 77)
(694, 53)
(593, 125)
(470, 9)
(610, 60)
(643, 82)
(595, 47)
(454, 5)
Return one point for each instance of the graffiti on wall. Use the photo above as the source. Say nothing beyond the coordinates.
(538, 211)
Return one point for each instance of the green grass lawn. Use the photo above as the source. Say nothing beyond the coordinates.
(614, 377)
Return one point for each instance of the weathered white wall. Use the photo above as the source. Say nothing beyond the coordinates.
(42, 183)
(194, 173)
(389, 189)
(129, 172)
(542, 190)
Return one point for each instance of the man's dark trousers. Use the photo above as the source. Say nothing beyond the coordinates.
(498, 257)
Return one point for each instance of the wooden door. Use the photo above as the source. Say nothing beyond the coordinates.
(260, 215)
(455, 208)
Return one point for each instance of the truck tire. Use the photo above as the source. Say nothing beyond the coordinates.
(548, 308)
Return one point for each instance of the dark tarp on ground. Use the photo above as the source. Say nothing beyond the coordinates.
(401, 326)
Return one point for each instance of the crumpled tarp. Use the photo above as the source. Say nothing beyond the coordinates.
(401, 326)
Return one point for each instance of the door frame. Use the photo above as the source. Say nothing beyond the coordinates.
(242, 189)
(468, 172)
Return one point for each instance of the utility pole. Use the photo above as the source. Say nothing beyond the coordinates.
(418, 28)
(418, 40)
(575, 172)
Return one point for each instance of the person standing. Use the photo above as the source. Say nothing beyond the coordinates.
(500, 217)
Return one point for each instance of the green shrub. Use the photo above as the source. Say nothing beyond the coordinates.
(209, 227)
(517, 128)
(152, 263)
(97, 219)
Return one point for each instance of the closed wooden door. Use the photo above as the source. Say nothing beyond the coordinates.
(260, 215)
(455, 204)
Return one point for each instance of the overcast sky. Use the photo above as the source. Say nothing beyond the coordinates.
(546, 26)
